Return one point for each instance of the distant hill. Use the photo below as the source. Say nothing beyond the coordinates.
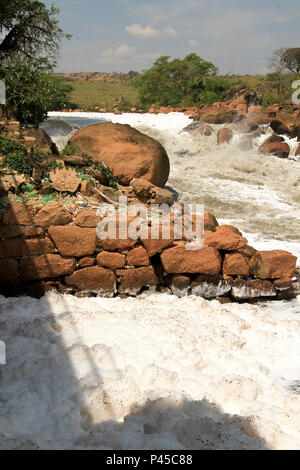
(96, 76)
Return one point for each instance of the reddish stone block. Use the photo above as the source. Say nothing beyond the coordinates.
(73, 240)
(235, 264)
(179, 260)
(93, 279)
(275, 264)
(134, 279)
(45, 267)
(111, 260)
(53, 214)
(138, 257)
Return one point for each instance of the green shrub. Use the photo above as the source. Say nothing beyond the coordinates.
(16, 157)
(31, 94)
(8, 146)
(112, 181)
(71, 149)
(27, 188)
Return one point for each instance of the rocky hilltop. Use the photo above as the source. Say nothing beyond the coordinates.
(95, 76)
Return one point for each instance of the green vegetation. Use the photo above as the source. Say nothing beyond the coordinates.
(49, 198)
(39, 156)
(272, 87)
(30, 39)
(88, 95)
(107, 95)
(27, 188)
(82, 171)
(16, 157)
(291, 59)
(112, 181)
(31, 93)
(71, 149)
(191, 81)
(8, 146)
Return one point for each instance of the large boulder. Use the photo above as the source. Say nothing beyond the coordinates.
(224, 135)
(280, 149)
(129, 153)
(271, 139)
(287, 119)
(258, 116)
(279, 127)
(220, 116)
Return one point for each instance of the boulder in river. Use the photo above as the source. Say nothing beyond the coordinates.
(126, 151)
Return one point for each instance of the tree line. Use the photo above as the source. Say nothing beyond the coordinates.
(30, 38)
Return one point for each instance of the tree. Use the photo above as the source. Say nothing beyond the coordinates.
(281, 60)
(30, 39)
(172, 82)
(29, 30)
(32, 93)
(291, 58)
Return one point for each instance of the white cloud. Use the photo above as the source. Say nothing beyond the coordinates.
(170, 32)
(122, 52)
(138, 30)
(193, 43)
(150, 32)
(125, 54)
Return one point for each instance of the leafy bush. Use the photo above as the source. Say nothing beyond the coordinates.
(16, 157)
(208, 90)
(39, 156)
(30, 93)
(278, 87)
(172, 83)
(8, 146)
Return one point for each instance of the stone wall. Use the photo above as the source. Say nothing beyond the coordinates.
(56, 247)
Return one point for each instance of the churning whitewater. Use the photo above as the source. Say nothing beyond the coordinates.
(156, 371)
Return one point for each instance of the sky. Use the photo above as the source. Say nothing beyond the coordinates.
(238, 36)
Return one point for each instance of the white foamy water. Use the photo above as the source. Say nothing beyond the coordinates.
(155, 372)
(258, 193)
(159, 372)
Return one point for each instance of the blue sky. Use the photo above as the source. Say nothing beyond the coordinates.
(121, 35)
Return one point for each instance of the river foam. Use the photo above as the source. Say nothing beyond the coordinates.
(157, 371)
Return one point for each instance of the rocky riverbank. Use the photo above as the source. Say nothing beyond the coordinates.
(52, 244)
(283, 119)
